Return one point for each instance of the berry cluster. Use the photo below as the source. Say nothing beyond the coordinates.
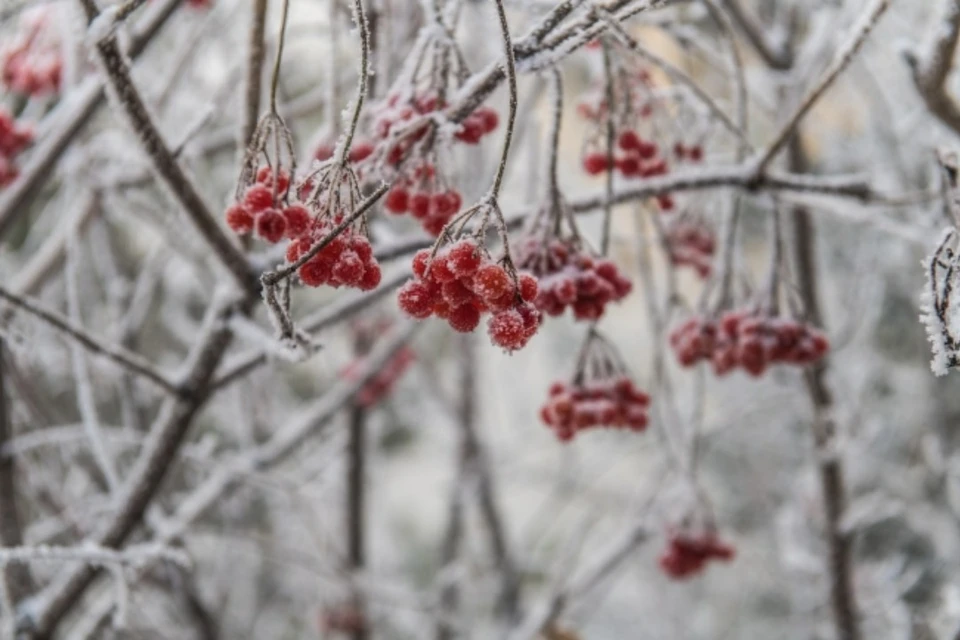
(260, 209)
(419, 193)
(687, 555)
(633, 157)
(345, 261)
(382, 383)
(570, 277)
(461, 283)
(34, 65)
(691, 244)
(612, 402)
(395, 113)
(747, 339)
(14, 138)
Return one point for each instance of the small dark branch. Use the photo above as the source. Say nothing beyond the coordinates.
(610, 133)
(254, 86)
(932, 64)
(74, 112)
(128, 360)
(833, 489)
(16, 576)
(356, 497)
(476, 465)
(164, 162)
(776, 54)
(510, 69)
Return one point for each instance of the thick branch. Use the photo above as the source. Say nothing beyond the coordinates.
(931, 66)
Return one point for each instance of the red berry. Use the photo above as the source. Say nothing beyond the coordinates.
(488, 118)
(464, 318)
(372, 275)
(595, 163)
(314, 273)
(506, 330)
(271, 225)
(397, 200)
(420, 261)
(416, 299)
(464, 258)
(348, 269)
(628, 140)
(360, 151)
(419, 204)
(528, 287)
(258, 197)
(239, 219)
(492, 282)
(298, 220)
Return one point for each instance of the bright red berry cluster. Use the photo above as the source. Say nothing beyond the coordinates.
(691, 244)
(346, 261)
(14, 138)
(570, 277)
(419, 192)
(261, 210)
(687, 555)
(460, 284)
(749, 340)
(613, 402)
(34, 65)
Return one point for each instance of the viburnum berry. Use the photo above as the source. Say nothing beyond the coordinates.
(271, 225)
(297, 219)
(265, 177)
(258, 198)
(239, 219)
(33, 65)
(464, 318)
(397, 200)
(346, 260)
(595, 163)
(687, 554)
(416, 299)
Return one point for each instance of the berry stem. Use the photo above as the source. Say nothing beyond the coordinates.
(511, 71)
(608, 195)
(361, 19)
(275, 81)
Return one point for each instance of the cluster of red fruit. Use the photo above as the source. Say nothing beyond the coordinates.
(34, 66)
(461, 283)
(687, 555)
(346, 261)
(691, 245)
(382, 383)
(260, 209)
(418, 192)
(749, 340)
(633, 157)
(14, 138)
(395, 112)
(569, 277)
(613, 402)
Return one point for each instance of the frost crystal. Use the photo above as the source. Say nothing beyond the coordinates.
(938, 313)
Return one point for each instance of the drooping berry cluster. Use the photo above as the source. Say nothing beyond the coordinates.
(747, 339)
(633, 157)
(687, 555)
(261, 209)
(421, 193)
(14, 138)
(383, 382)
(345, 261)
(570, 278)
(691, 244)
(613, 402)
(461, 284)
(33, 65)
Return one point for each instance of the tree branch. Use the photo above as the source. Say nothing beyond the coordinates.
(932, 64)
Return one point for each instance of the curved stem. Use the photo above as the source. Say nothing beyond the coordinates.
(511, 72)
(276, 63)
(608, 198)
(361, 19)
